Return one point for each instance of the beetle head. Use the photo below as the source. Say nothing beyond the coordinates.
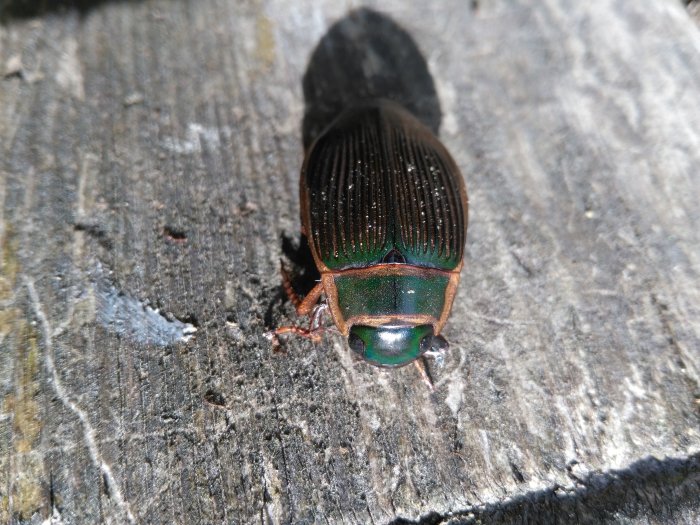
(394, 345)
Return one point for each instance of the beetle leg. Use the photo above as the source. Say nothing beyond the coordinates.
(423, 370)
(308, 305)
(288, 288)
(309, 333)
(314, 332)
(305, 305)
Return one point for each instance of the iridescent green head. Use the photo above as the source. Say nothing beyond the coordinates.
(394, 345)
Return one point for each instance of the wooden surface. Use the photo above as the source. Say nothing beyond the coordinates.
(149, 157)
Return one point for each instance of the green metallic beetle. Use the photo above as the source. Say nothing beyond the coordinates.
(384, 208)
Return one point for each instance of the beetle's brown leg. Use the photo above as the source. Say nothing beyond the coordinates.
(305, 305)
(309, 333)
(315, 329)
(288, 288)
(423, 370)
(314, 332)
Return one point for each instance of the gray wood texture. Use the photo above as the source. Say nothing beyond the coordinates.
(149, 158)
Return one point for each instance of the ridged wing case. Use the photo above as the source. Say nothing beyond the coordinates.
(378, 187)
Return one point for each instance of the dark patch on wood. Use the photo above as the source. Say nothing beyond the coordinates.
(174, 234)
(214, 397)
(525, 267)
(516, 473)
(13, 74)
(95, 231)
(189, 319)
(34, 8)
(106, 489)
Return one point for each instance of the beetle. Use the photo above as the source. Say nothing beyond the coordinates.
(384, 208)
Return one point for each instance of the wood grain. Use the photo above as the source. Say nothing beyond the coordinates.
(149, 162)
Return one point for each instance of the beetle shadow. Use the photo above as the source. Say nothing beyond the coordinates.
(23, 9)
(365, 55)
(304, 273)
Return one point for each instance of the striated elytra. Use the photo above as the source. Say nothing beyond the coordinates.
(384, 208)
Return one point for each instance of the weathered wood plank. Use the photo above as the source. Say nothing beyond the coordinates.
(149, 162)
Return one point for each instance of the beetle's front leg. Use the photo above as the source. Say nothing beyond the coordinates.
(315, 329)
(307, 306)
(303, 306)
